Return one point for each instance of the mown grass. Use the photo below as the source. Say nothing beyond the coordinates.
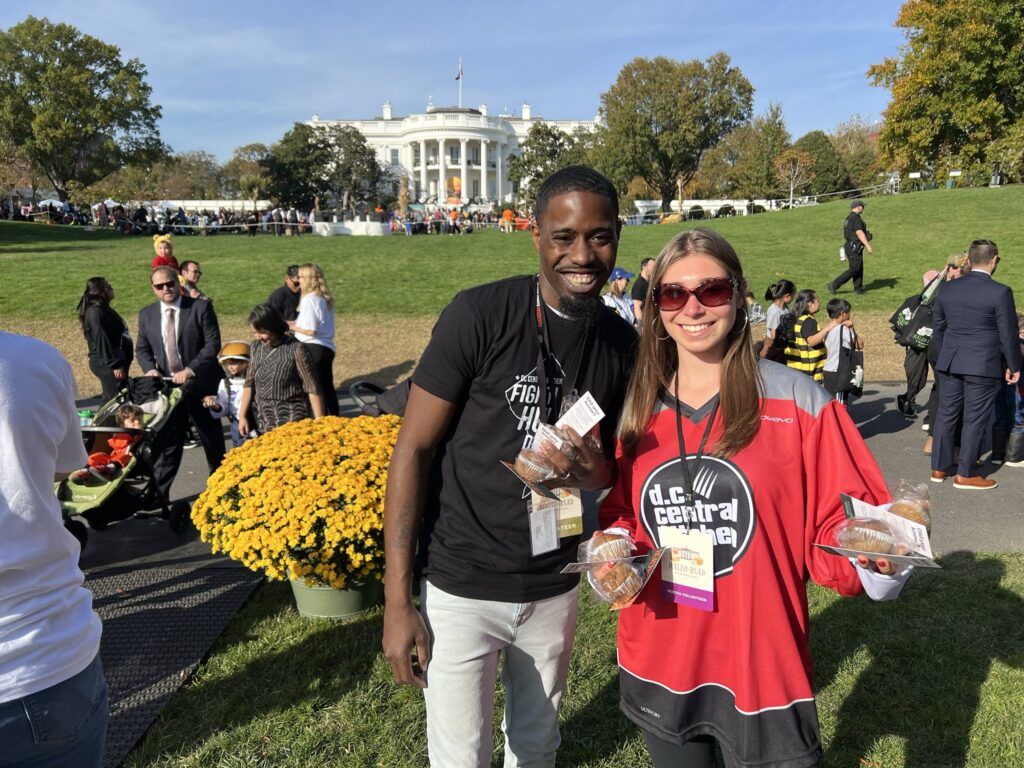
(930, 681)
(43, 268)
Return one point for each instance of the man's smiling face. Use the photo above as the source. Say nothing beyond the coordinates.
(577, 237)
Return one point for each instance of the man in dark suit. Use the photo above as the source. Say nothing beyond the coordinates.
(179, 337)
(975, 326)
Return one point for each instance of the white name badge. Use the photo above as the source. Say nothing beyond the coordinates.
(568, 507)
(688, 568)
(543, 529)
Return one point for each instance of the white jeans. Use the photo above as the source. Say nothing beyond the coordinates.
(468, 636)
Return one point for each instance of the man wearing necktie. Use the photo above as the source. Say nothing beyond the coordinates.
(179, 337)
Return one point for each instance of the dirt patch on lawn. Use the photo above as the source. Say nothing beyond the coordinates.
(385, 350)
(381, 350)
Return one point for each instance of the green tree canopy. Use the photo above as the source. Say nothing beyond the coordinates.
(958, 83)
(245, 162)
(661, 116)
(829, 171)
(296, 168)
(743, 163)
(545, 150)
(72, 106)
(353, 173)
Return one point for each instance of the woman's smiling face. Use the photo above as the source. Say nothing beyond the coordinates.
(699, 330)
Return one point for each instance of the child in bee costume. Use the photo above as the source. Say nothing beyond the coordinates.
(234, 359)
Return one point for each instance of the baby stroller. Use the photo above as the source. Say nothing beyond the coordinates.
(373, 400)
(106, 491)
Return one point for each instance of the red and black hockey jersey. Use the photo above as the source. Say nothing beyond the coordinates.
(742, 673)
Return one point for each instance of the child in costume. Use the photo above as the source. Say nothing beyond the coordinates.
(234, 358)
(164, 252)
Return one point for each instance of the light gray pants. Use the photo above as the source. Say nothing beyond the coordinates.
(534, 641)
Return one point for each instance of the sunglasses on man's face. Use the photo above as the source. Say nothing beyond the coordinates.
(163, 286)
(716, 292)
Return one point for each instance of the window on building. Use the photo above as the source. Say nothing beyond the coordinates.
(415, 155)
(455, 154)
(394, 156)
(476, 187)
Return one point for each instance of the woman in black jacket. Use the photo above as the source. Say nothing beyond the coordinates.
(110, 344)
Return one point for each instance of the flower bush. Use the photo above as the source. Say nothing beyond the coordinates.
(304, 501)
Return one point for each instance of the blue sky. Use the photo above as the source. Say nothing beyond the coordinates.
(229, 73)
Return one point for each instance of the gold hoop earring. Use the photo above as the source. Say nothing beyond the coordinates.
(666, 337)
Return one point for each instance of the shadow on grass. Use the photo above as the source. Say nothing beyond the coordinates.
(930, 652)
(385, 377)
(308, 666)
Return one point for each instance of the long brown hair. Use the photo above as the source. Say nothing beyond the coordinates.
(740, 387)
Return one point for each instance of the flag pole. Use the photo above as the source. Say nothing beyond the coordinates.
(459, 78)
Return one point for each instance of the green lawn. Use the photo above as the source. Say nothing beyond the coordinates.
(931, 681)
(43, 268)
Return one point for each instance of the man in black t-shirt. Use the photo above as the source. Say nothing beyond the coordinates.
(286, 298)
(857, 239)
(476, 398)
(640, 289)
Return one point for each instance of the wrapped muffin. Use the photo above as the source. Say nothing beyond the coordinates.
(602, 547)
(616, 583)
(867, 535)
(911, 502)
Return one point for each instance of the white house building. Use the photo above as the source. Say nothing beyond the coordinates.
(452, 155)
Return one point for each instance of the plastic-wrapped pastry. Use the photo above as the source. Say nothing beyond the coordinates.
(617, 583)
(867, 535)
(604, 546)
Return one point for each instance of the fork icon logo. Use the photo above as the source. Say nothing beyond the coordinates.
(722, 508)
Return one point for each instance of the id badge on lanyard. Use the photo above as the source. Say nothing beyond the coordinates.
(688, 572)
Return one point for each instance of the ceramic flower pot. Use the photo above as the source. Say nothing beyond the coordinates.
(320, 601)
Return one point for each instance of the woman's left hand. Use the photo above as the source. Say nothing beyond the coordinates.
(880, 564)
(584, 466)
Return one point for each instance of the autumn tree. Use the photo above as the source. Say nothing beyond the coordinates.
(795, 170)
(742, 164)
(957, 84)
(829, 171)
(72, 106)
(660, 116)
(244, 173)
(856, 142)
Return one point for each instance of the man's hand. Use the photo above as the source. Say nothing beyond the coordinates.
(583, 467)
(870, 249)
(182, 376)
(153, 372)
(120, 374)
(404, 630)
(1012, 378)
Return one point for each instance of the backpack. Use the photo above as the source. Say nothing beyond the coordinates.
(912, 322)
(785, 336)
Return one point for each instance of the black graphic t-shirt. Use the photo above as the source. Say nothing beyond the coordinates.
(740, 673)
(482, 356)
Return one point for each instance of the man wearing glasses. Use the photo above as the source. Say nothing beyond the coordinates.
(975, 329)
(190, 273)
(179, 338)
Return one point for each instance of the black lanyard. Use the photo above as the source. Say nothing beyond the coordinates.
(683, 464)
(571, 375)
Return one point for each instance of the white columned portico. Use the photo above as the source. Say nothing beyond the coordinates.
(442, 186)
(483, 169)
(423, 169)
(464, 170)
(500, 173)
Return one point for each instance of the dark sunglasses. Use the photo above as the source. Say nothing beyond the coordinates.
(715, 292)
(164, 286)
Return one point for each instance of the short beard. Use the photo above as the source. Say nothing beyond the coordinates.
(580, 312)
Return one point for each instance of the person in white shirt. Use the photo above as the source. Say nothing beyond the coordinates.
(315, 326)
(53, 696)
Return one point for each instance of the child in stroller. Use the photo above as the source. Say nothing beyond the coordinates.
(105, 466)
(118, 483)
